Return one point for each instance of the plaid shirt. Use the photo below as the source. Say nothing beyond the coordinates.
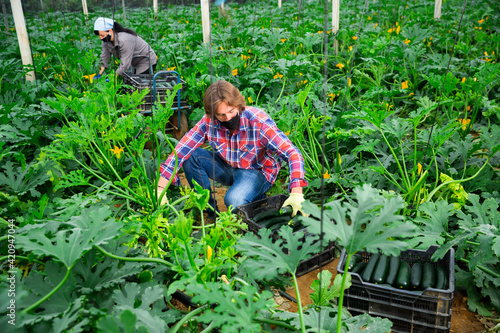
(257, 144)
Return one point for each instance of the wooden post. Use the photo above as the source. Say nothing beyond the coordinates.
(5, 19)
(205, 20)
(41, 5)
(85, 9)
(22, 36)
(437, 9)
(155, 6)
(335, 23)
(124, 14)
(279, 3)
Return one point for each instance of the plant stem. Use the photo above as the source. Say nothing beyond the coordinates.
(341, 297)
(299, 304)
(187, 317)
(155, 260)
(275, 322)
(46, 297)
(484, 269)
(23, 257)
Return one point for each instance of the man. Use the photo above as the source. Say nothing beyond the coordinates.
(247, 151)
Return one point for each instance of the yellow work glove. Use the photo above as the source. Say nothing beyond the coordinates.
(295, 201)
(164, 199)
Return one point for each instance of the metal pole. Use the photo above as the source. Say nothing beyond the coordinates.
(5, 19)
(22, 36)
(155, 6)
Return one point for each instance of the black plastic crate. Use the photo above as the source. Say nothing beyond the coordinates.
(163, 83)
(410, 311)
(274, 203)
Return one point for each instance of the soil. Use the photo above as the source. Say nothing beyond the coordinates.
(462, 320)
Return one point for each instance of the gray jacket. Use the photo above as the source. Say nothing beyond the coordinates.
(125, 47)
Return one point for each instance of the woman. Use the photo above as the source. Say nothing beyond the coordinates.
(124, 44)
(246, 155)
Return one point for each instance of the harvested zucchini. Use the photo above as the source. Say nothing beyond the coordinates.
(288, 210)
(403, 280)
(416, 275)
(360, 266)
(428, 276)
(355, 258)
(440, 278)
(370, 267)
(392, 272)
(265, 215)
(380, 270)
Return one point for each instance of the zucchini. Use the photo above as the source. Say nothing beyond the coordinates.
(416, 275)
(355, 258)
(380, 270)
(280, 220)
(440, 277)
(428, 276)
(368, 272)
(360, 266)
(392, 273)
(403, 280)
(288, 210)
(265, 215)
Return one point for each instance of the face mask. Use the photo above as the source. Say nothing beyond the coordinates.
(107, 39)
(232, 124)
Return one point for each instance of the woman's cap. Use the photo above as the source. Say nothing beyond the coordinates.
(103, 24)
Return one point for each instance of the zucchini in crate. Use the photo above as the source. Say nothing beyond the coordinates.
(393, 270)
(440, 277)
(370, 267)
(428, 276)
(355, 259)
(265, 215)
(416, 275)
(360, 266)
(381, 270)
(403, 280)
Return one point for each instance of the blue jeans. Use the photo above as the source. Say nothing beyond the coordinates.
(246, 185)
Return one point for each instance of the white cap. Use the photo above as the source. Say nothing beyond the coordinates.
(103, 24)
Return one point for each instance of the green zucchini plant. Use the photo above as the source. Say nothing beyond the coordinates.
(397, 145)
(369, 222)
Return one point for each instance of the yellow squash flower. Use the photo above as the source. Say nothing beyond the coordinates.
(326, 175)
(250, 100)
(354, 37)
(407, 41)
(340, 65)
(349, 81)
(464, 122)
(419, 168)
(404, 85)
(235, 72)
(117, 151)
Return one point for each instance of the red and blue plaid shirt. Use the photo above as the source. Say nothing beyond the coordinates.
(257, 144)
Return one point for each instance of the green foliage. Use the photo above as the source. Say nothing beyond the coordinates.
(92, 227)
(322, 292)
(235, 310)
(374, 224)
(266, 257)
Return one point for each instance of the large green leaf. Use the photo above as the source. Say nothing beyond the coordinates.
(145, 301)
(371, 224)
(234, 310)
(70, 316)
(433, 224)
(92, 227)
(21, 180)
(322, 292)
(267, 258)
